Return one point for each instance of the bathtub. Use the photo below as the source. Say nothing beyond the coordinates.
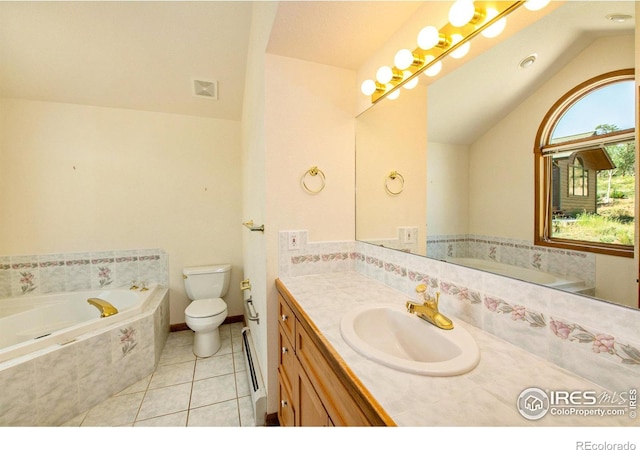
(60, 358)
(28, 324)
(564, 282)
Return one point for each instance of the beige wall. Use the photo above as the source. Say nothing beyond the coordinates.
(309, 121)
(254, 189)
(82, 178)
(447, 189)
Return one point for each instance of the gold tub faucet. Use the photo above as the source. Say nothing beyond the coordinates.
(428, 310)
(106, 309)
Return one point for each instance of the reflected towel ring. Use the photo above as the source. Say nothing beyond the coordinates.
(313, 172)
(392, 176)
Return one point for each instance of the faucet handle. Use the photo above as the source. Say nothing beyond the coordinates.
(436, 299)
(421, 289)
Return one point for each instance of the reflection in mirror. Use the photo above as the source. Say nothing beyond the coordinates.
(482, 119)
(390, 208)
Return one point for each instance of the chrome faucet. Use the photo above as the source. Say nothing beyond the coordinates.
(106, 309)
(428, 309)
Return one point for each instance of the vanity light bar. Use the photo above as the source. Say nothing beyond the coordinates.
(424, 59)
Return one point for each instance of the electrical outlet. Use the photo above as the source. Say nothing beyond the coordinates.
(294, 240)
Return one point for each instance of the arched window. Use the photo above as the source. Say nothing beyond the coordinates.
(585, 168)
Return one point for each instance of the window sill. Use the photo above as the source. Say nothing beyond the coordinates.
(589, 247)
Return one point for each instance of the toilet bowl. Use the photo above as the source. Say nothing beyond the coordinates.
(204, 317)
(205, 286)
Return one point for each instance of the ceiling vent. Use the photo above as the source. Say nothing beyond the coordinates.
(205, 89)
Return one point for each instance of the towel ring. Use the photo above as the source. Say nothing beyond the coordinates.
(392, 176)
(314, 171)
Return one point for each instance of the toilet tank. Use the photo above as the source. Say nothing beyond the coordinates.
(210, 281)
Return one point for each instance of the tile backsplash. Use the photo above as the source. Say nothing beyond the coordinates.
(64, 272)
(597, 340)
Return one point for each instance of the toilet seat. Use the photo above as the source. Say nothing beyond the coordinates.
(207, 307)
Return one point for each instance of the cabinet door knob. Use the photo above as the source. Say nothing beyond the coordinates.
(284, 350)
(283, 403)
(284, 317)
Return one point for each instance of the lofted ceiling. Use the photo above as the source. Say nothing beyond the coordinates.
(337, 33)
(145, 55)
(137, 55)
(483, 90)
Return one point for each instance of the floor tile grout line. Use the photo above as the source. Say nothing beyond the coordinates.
(235, 371)
(135, 419)
(193, 380)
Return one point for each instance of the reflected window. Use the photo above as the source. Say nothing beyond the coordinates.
(578, 179)
(585, 168)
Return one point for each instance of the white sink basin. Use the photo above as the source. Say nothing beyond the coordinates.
(391, 336)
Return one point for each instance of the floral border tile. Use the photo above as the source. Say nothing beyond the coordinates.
(517, 312)
(601, 343)
(41, 274)
(461, 292)
(423, 278)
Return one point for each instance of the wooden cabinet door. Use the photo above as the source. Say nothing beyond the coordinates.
(286, 411)
(310, 412)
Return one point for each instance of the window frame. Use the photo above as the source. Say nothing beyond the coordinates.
(543, 166)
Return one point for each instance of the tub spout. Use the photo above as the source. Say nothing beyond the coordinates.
(106, 309)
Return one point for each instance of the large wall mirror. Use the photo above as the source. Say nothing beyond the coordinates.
(447, 170)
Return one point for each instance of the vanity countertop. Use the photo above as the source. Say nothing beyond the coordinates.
(486, 396)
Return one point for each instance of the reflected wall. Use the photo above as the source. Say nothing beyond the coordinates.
(392, 136)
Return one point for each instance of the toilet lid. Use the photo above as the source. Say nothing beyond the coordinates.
(206, 307)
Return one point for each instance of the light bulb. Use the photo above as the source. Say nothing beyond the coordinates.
(403, 59)
(434, 69)
(462, 50)
(428, 38)
(495, 29)
(461, 12)
(368, 87)
(394, 95)
(535, 5)
(411, 83)
(384, 74)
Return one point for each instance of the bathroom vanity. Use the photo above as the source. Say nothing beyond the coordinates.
(315, 386)
(324, 382)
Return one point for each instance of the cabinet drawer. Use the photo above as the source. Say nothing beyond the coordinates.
(287, 358)
(286, 413)
(286, 319)
(337, 400)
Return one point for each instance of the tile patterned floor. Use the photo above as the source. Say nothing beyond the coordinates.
(184, 391)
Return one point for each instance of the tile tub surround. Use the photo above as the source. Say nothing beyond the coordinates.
(53, 385)
(486, 396)
(66, 272)
(597, 340)
(515, 252)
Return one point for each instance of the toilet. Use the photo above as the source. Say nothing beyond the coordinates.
(205, 286)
